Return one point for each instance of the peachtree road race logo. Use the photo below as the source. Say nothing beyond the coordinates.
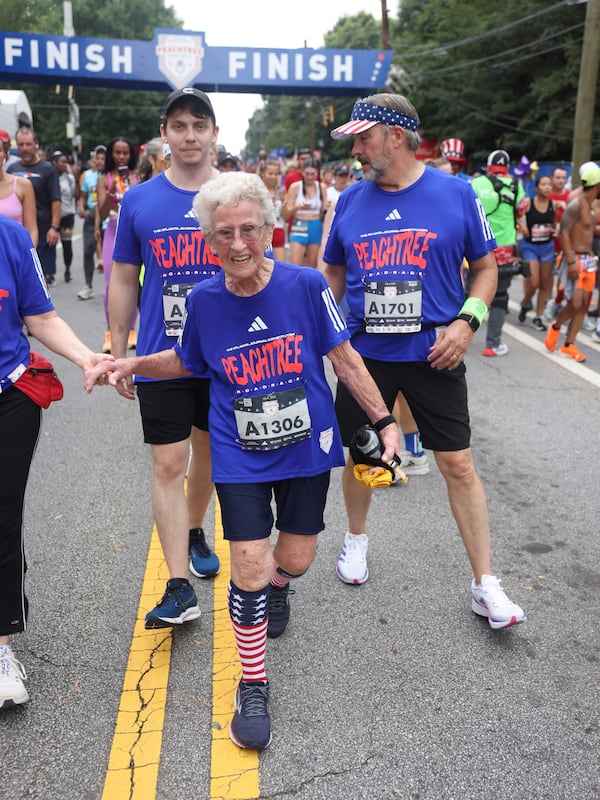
(179, 57)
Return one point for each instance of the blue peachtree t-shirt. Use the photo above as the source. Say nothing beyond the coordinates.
(403, 253)
(23, 292)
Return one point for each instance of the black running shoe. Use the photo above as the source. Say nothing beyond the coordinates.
(279, 610)
(537, 323)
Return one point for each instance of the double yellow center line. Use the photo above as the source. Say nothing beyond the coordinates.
(134, 758)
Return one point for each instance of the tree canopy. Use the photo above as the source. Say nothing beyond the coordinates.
(493, 74)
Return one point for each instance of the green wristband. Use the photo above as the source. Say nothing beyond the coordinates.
(476, 307)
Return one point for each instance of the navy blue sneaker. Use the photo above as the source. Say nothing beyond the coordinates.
(203, 562)
(251, 725)
(179, 604)
(279, 610)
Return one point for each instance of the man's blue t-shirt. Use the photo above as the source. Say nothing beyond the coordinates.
(23, 292)
(157, 227)
(403, 253)
(271, 411)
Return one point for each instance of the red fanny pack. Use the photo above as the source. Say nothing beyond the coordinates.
(40, 381)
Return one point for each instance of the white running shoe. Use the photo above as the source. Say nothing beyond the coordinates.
(589, 324)
(86, 293)
(489, 600)
(352, 564)
(414, 465)
(12, 675)
(549, 312)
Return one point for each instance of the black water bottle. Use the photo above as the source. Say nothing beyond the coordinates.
(367, 443)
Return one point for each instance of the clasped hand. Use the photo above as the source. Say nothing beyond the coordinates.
(115, 373)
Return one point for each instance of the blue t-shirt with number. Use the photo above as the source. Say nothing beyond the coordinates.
(157, 227)
(23, 293)
(403, 252)
(271, 411)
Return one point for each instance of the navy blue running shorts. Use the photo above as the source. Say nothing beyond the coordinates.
(169, 409)
(246, 510)
(437, 399)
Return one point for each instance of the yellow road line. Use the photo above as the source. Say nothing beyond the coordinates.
(134, 759)
(135, 754)
(234, 772)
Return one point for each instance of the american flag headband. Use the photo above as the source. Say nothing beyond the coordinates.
(387, 116)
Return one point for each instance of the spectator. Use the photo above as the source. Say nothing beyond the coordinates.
(5, 143)
(153, 160)
(341, 181)
(120, 174)
(44, 179)
(228, 163)
(271, 177)
(69, 192)
(537, 247)
(453, 150)
(17, 200)
(501, 197)
(305, 202)
(578, 265)
(87, 209)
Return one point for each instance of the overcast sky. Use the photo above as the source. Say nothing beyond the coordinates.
(263, 23)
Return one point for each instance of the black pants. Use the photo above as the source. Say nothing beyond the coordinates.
(20, 421)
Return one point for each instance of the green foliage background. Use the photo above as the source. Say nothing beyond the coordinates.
(494, 74)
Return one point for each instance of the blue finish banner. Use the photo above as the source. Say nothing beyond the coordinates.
(174, 59)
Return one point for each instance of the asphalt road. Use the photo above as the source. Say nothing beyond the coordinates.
(390, 690)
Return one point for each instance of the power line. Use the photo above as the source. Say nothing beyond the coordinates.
(441, 50)
(504, 53)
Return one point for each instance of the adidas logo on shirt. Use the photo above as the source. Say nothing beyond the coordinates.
(395, 214)
(257, 325)
(191, 214)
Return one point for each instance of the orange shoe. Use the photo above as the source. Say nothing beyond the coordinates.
(551, 339)
(132, 340)
(572, 351)
(106, 345)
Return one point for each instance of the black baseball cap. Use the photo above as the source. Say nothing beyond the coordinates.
(342, 170)
(227, 157)
(187, 93)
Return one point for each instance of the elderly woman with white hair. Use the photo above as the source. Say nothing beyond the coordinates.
(259, 330)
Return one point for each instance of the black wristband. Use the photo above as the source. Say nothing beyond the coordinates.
(55, 228)
(384, 422)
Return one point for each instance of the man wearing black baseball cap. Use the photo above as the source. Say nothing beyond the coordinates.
(158, 228)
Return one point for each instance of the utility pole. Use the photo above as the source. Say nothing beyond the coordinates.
(586, 91)
(73, 123)
(385, 26)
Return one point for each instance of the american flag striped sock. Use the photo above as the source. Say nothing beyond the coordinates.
(249, 612)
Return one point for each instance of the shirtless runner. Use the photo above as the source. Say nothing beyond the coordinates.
(578, 265)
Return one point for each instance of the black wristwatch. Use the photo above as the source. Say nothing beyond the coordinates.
(471, 321)
(55, 228)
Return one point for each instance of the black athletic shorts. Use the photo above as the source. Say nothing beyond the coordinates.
(169, 409)
(437, 399)
(247, 514)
